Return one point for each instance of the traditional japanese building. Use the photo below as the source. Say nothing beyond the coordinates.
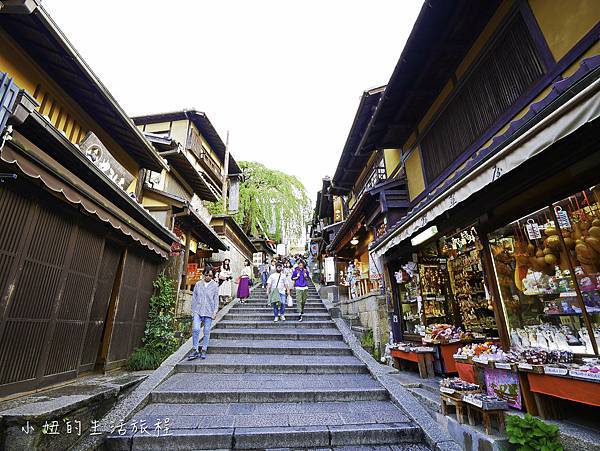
(494, 107)
(78, 252)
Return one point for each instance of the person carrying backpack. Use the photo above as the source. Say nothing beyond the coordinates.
(277, 291)
(300, 278)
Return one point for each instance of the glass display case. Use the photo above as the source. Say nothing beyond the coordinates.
(547, 271)
(411, 307)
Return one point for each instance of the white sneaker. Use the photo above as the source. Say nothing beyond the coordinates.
(276, 319)
(282, 317)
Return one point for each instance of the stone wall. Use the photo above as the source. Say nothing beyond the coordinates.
(371, 313)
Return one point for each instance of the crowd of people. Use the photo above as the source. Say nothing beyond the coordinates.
(215, 289)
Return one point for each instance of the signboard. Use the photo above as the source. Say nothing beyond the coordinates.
(257, 258)
(504, 385)
(314, 248)
(99, 155)
(281, 249)
(329, 269)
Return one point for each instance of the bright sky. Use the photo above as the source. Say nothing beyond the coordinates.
(283, 76)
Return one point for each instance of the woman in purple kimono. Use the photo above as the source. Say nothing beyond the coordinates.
(245, 280)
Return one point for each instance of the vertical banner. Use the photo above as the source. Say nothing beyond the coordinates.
(329, 269)
(281, 249)
(234, 194)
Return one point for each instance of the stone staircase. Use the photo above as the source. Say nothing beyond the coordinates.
(267, 385)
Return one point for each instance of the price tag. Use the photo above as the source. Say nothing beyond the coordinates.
(525, 366)
(585, 375)
(454, 340)
(533, 230)
(460, 357)
(480, 360)
(568, 294)
(563, 218)
(503, 365)
(447, 390)
(555, 370)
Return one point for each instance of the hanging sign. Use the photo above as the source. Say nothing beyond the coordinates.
(563, 218)
(99, 155)
(533, 230)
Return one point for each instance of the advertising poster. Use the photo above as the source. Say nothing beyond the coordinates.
(505, 385)
(329, 269)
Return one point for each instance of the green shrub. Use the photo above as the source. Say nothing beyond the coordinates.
(367, 340)
(159, 338)
(532, 434)
(145, 359)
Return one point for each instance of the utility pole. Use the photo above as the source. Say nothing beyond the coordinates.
(226, 176)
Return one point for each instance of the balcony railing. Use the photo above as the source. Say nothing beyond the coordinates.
(209, 164)
(377, 175)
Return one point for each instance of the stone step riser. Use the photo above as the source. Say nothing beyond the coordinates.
(278, 351)
(272, 325)
(266, 310)
(222, 333)
(289, 316)
(274, 438)
(272, 369)
(270, 396)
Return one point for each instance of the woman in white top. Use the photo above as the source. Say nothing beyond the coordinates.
(225, 277)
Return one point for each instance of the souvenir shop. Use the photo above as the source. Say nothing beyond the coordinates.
(507, 296)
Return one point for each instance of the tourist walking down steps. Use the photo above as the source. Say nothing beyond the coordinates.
(300, 278)
(225, 283)
(278, 289)
(205, 302)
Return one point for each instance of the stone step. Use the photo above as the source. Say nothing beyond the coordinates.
(271, 363)
(185, 388)
(268, 309)
(343, 437)
(269, 324)
(290, 347)
(291, 316)
(285, 333)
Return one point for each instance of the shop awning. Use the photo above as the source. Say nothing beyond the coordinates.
(181, 161)
(572, 103)
(26, 158)
(201, 229)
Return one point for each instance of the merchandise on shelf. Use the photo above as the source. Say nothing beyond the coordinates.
(547, 267)
(443, 333)
(485, 401)
(456, 383)
(476, 349)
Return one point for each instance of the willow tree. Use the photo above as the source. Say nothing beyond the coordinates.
(272, 203)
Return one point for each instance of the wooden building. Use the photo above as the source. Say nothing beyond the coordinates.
(78, 252)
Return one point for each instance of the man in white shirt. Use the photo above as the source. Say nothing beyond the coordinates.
(277, 291)
(205, 303)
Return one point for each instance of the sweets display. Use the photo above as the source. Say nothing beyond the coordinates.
(443, 333)
(457, 384)
(485, 401)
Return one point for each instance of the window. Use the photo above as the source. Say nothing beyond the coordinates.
(501, 77)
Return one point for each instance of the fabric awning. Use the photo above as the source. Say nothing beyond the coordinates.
(38, 165)
(566, 119)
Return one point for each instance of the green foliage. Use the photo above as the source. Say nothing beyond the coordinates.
(532, 434)
(271, 200)
(215, 208)
(159, 336)
(145, 359)
(367, 341)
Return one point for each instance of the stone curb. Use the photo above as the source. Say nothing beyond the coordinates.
(139, 397)
(436, 437)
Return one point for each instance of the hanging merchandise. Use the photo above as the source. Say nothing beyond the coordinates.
(467, 281)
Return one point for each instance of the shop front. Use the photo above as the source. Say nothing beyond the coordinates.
(504, 265)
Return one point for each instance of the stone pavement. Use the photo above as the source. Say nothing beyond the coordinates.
(266, 385)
